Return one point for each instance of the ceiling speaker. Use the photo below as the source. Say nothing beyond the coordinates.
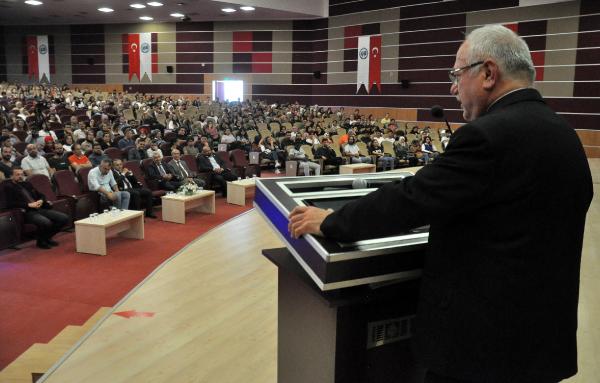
(169, 68)
(317, 74)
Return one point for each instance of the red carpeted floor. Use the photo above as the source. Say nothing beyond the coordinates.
(42, 291)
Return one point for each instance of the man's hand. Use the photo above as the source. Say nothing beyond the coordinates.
(306, 220)
(36, 204)
(112, 196)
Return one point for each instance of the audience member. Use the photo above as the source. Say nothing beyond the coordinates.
(162, 173)
(139, 152)
(127, 141)
(97, 155)
(219, 174)
(140, 197)
(101, 180)
(352, 151)
(296, 153)
(182, 172)
(34, 163)
(327, 154)
(20, 194)
(6, 165)
(59, 160)
(78, 160)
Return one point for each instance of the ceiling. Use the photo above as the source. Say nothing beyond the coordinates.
(60, 12)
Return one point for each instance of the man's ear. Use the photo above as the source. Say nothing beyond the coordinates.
(491, 74)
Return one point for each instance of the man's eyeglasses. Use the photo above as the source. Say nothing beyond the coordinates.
(453, 73)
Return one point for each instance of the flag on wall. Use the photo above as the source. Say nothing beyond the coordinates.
(38, 57)
(368, 73)
(140, 54)
(351, 35)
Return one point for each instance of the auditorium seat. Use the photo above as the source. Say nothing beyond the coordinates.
(42, 184)
(10, 228)
(191, 162)
(240, 162)
(114, 153)
(67, 186)
(137, 171)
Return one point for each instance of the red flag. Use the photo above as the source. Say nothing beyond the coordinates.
(375, 63)
(134, 54)
(32, 57)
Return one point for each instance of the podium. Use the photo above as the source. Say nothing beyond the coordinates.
(346, 311)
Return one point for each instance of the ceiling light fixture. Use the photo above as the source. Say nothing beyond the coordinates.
(33, 2)
(106, 10)
(228, 10)
(177, 14)
(247, 8)
(155, 4)
(146, 18)
(137, 5)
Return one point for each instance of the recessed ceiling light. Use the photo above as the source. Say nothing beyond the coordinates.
(155, 4)
(106, 10)
(137, 5)
(146, 18)
(228, 10)
(33, 2)
(177, 14)
(247, 8)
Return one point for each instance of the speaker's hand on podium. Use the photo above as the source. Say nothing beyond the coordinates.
(306, 220)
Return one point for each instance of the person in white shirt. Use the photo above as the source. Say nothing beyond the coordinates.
(34, 163)
(227, 137)
(297, 154)
(101, 180)
(351, 150)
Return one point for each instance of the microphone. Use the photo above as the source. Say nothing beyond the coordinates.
(438, 112)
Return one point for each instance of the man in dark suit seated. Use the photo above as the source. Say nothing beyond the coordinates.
(140, 197)
(500, 283)
(20, 194)
(208, 162)
(182, 171)
(162, 173)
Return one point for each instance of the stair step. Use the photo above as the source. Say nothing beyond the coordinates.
(41, 356)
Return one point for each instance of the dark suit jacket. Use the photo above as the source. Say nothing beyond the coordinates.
(506, 203)
(178, 173)
(204, 164)
(153, 173)
(130, 177)
(16, 199)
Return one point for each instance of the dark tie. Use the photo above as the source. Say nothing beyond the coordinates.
(161, 170)
(182, 169)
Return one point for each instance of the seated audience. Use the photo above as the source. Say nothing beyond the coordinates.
(6, 165)
(183, 173)
(127, 141)
(59, 160)
(138, 153)
(35, 163)
(296, 153)
(351, 150)
(140, 197)
(190, 148)
(20, 194)
(386, 162)
(219, 174)
(154, 149)
(163, 174)
(327, 154)
(97, 155)
(101, 180)
(78, 160)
